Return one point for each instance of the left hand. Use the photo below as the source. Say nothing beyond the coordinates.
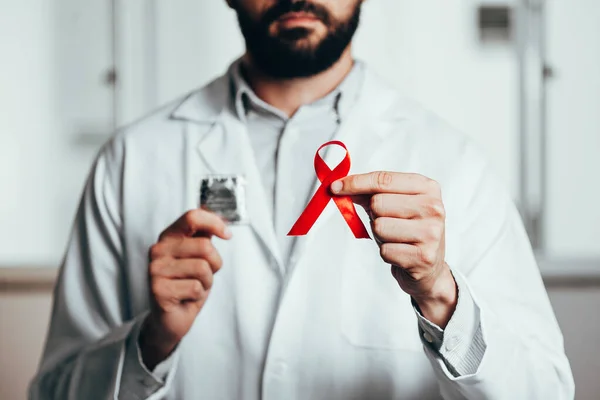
(408, 221)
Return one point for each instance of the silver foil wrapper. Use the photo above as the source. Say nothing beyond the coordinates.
(225, 195)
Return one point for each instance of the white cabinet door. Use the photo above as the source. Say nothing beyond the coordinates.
(167, 49)
(430, 49)
(53, 106)
(573, 129)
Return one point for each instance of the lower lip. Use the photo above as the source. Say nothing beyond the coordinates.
(294, 21)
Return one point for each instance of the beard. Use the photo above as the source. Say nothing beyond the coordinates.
(288, 53)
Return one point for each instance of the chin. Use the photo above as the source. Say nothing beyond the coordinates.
(300, 38)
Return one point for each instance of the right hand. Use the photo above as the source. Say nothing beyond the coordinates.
(182, 264)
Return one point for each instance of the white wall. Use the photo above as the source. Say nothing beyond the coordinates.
(573, 193)
(430, 49)
(27, 114)
(53, 55)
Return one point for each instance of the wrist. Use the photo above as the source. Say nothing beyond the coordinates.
(439, 303)
(155, 345)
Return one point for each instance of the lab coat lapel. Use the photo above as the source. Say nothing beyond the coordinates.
(224, 147)
(227, 150)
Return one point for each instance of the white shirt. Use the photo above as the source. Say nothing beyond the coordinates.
(336, 325)
(281, 145)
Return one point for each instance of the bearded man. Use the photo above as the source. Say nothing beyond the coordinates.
(216, 256)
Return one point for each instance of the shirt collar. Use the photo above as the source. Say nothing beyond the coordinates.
(342, 98)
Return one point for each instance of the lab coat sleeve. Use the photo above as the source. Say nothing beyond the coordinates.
(460, 345)
(91, 346)
(523, 355)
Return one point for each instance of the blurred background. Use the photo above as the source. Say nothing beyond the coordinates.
(522, 77)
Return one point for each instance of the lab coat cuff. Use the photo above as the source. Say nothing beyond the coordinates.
(461, 345)
(137, 381)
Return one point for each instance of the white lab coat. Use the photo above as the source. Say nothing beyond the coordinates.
(333, 324)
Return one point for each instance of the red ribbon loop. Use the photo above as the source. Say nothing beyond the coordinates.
(319, 201)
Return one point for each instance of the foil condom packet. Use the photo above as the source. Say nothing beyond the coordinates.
(225, 195)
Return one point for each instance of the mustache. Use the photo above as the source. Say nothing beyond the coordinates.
(283, 7)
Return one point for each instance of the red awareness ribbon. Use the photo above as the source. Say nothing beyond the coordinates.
(322, 197)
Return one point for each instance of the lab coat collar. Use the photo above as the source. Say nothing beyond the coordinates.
(204, 105)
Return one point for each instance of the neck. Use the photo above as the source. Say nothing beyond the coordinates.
(288, 95)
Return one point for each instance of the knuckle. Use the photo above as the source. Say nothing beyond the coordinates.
(435, 208)
(377, 204)
(154, 268)
(439, 231)
(386, 251)
(163, 235)
(157, 250)
(383, 179)
(207, 277)
(432, 185)
(189, 218)
(440, 210)
(202, 268)
(418, 276)
(196, 288)
(218, 264)
(426, 256)
(433, 232)
(206, 247)
(380, 226)
(156, 288)
(203, 265)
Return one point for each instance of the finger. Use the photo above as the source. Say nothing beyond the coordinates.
(178, 290)
(405, 206)
(181, 247)
(198, 222)
(396, 230)
(363, 200)
(383, 182)
(184, 269)
(400, 254)
(197, 248)
(412, 259)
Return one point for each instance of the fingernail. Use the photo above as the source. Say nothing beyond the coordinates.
(336, 186)
(227, 233)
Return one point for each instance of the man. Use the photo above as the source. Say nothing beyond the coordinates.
(245, 311)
